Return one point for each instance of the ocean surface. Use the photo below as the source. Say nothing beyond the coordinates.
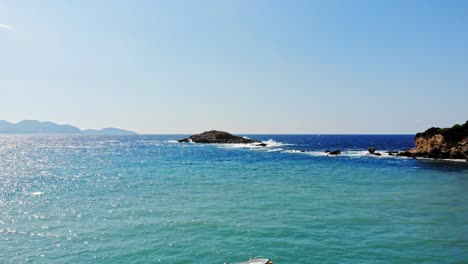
(149, 199)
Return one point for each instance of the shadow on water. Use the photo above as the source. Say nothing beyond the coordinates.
(443, 165)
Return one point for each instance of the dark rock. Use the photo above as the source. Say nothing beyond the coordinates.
(327, 151)
(406, 153)
(335, 152)
(457, 155)
(392, 153)
(221, 137)
(261, 144)
(372, 151)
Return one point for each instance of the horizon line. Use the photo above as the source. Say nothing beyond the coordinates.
(184, 134)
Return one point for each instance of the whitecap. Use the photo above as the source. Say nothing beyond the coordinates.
(271, 146)
(274, 150)
(36, 193)
(272, 143)
(239, 146)
(310, 153)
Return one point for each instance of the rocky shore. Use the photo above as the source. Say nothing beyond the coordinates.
(440, 143)
(220, 137)
(434, 143)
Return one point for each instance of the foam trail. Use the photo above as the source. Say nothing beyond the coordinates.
(275, 150)
(271, 146)
(344, 153)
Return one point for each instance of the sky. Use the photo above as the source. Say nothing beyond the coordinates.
(243, 66)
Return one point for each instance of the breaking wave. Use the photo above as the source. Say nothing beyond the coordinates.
(270, 146)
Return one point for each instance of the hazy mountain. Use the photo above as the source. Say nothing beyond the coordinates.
(108, 131)
(38, 127)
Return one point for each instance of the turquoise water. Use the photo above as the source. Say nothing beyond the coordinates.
(147, 199)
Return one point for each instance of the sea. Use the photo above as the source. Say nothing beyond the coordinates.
(150, 199)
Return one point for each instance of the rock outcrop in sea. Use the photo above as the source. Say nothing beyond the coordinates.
(334, 152)
(220, 137)
(372, 150)
(440, 143)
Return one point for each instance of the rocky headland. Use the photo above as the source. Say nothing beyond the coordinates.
(440, 143)
(220, 137)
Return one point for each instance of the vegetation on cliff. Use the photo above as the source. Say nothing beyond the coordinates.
(453, 134)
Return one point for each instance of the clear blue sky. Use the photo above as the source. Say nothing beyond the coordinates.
(242, 66)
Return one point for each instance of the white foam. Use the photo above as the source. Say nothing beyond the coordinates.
(271, 146)
(310, 153)
(355, 153)
(451, 160)
(240, 146)
(272, 143)
(36, 193)
(275, 150)
(345, 153)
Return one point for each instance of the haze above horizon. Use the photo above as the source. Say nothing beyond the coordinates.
(250, 67)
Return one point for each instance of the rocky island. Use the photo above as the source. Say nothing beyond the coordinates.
(220, 137)
(440, 143)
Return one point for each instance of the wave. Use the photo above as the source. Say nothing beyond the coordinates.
(240, 146)
(272, 143)
(270, 146)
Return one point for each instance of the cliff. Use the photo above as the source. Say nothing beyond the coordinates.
(441, 143)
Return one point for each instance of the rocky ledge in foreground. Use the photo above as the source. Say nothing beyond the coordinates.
(440, 143)
(220, 137)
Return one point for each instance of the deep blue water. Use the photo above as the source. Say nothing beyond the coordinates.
(148, 199)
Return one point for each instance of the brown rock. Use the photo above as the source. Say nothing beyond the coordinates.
(441, 143)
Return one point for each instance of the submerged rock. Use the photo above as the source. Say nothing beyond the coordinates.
(221, 137)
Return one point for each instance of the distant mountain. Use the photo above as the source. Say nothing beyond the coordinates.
(38, 127)
(108, 131)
